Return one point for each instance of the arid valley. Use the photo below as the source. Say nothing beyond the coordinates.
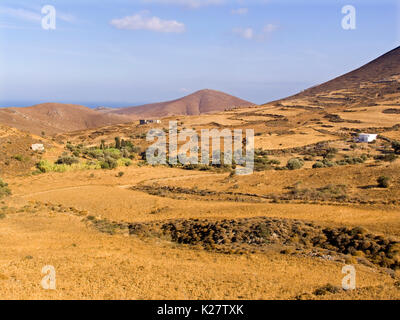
(116, 227)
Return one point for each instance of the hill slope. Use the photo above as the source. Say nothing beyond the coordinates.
(376, 83)
(56, 118)
(386, 68)
(200, 102)
(16, 156)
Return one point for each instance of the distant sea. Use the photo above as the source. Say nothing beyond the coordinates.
(93, 105)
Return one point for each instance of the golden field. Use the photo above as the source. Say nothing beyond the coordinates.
(94, 265)
(105, 231)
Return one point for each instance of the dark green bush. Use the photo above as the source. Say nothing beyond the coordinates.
(390, 157)
(295, 163)
(68, 160)
(109, 163)
(18, 157)
(396, 146)
(383, 182)
(318, 165)
(4, 190)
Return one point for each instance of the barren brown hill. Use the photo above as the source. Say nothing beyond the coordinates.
(200, 102)
(371, 91)
(16, 156)
(56, 118)
(384, 69)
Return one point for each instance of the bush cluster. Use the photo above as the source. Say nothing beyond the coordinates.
(383, 182)
(67, 159)
(4, 189)
(105, 156)
(329, 192)
(228, 235)
(295, 163)
(325, 163)
(262, 163)
(389, 157)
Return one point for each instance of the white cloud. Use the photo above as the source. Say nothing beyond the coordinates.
(33, 15)
(270, 28)
(66, 17)
(184, 90)
(141, 21)
(246, 33)
(21, 14)
(194, 4)
(240, 11)
(250, 34)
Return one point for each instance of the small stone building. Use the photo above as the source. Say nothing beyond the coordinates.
(37, 147)
(367, 137)
(143, 122)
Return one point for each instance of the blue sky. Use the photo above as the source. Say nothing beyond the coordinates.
(124, 52)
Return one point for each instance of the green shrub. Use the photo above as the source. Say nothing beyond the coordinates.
(294, 164)
(113, 153)
(386, 157)
(68, 160)
(46, 166)
(117, 143)
(383, 182)
(4, 190)
(328, 163)
(262, 163)
(43, 166)
(124, 162)
(18, 157)
(396, 146)
(95, 153)
(318, 165)
(109, 163)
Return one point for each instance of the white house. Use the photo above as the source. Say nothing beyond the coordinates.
(37, 147)
(149, 121)
(366, 137)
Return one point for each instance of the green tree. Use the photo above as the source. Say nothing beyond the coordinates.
(117, 143)
(103, 144)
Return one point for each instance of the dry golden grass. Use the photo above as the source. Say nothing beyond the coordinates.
(95, 265)
(371, 117)
(90, 265)
(299, 138)
(393, 135)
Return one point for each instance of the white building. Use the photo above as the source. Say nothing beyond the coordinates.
(149, 121)
(37, 147)
(366, 137)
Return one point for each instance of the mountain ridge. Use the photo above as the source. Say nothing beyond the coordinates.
(56, 117)
(385, 66)
(199, 102)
